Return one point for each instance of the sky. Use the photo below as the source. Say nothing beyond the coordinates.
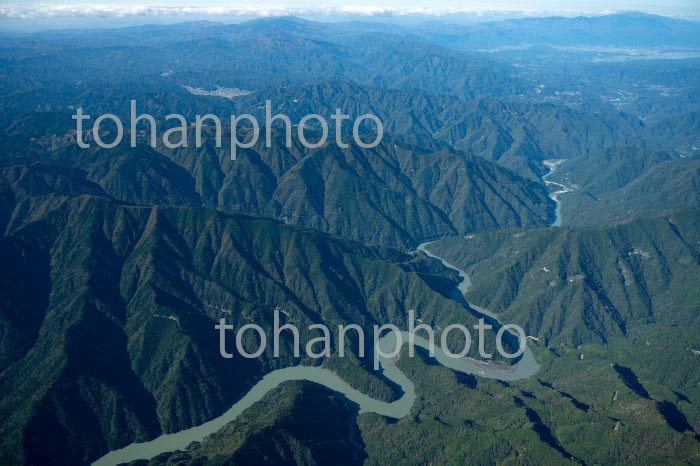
(77, 13)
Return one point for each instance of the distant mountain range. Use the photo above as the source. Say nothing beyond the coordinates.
(612, 30)
(116, 264)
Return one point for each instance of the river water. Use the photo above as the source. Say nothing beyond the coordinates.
(525, 367)
(552, 165)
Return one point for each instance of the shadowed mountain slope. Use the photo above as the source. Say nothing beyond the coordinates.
(108, 311)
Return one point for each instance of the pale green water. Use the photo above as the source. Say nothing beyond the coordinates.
(526, 367)
(553, 164)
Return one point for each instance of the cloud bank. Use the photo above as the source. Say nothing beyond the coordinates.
(39, 11)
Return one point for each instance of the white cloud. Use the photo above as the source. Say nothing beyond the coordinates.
(37, 11)
(467, 7)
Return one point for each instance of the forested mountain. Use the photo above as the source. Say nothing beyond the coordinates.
(110, 309)
(637, 183)
(285, 429)
(270, 53)
(572, 286)
(514, 113)
(115, 264)
(392, 195)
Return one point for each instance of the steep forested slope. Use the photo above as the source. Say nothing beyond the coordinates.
(109, 310)
(636, 182)
(571, 286)
(390, 195)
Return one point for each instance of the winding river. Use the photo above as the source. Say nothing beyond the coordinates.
(552, 165)
(525, 367)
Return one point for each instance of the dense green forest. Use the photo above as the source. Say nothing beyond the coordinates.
(116, 264)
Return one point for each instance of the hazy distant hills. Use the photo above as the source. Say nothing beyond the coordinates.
(247, 56)
(515, 113)
(517, 136)
(621, 29)
(514, 134)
